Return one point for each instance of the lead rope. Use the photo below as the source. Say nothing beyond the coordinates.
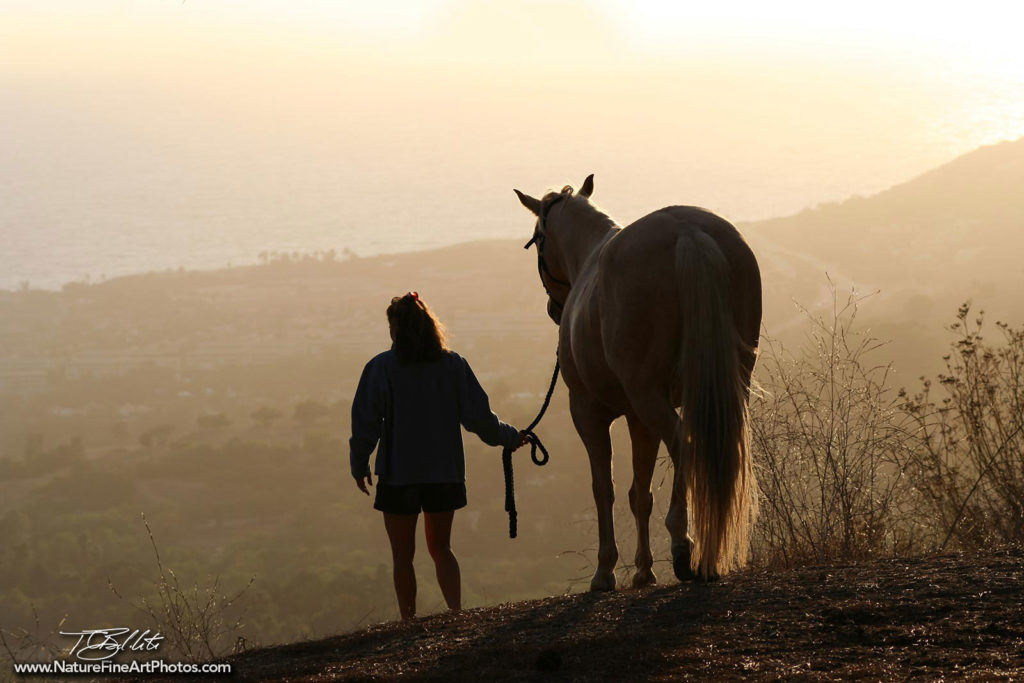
(535, 443)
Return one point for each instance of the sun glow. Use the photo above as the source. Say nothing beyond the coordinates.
(524, 35)
(984, 37)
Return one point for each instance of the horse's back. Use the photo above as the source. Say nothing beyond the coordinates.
(649, 239)
(643, 254)
(639, 264)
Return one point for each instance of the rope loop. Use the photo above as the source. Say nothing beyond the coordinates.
(535, 445)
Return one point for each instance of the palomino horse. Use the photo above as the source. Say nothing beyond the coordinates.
(662, 314)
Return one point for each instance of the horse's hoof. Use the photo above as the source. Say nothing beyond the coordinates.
(644, 577)
(602, 582)
(681, 555)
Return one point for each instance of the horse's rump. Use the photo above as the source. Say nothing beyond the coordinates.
(689, 343)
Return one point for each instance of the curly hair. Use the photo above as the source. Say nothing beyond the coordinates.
(419, 337)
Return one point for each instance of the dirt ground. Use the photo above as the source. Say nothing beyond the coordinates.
(949, 616)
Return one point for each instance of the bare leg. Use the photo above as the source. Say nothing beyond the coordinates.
(438, 529)
(592, 424)
(402, 534)
(641, 500)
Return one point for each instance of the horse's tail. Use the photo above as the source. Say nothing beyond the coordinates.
(714, 395)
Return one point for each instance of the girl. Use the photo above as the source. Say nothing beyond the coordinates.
(413, 400)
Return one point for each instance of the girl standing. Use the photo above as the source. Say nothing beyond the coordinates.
(413, 399)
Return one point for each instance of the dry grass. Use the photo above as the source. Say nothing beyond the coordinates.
(195, 621)
(851, 468)
(832, 446)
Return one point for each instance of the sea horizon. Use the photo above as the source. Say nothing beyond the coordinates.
(86, 202)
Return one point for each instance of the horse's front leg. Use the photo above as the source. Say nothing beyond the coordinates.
(592, 423)
(641, 500)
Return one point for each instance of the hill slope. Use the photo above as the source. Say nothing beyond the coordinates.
(885, 620)
(952, 234)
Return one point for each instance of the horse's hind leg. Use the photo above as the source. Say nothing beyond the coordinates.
(592, 423)
(645, 453)
(676, 520)
(663, 422)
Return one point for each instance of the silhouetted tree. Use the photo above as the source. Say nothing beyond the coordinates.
(157, 436)
(308, 412)
(213, 421)
(33, 445)
(265, 415)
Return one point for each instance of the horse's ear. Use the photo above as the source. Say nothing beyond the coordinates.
(529, 202)
(588, 186)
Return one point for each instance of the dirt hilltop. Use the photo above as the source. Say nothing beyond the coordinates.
(943, 616)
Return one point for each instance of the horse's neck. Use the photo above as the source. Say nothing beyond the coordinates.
(588, 235)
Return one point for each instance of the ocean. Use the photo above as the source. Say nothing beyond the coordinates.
(97, 185)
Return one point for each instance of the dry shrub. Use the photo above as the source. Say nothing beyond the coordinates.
(22, 645)
(969, 466)
(831, 446)
(195, 621)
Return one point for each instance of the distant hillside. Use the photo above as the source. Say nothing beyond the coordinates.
(929, 618)
(966, 204)
(952, 234)
(306, 301)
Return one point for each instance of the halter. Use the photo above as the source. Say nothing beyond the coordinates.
(539, 239)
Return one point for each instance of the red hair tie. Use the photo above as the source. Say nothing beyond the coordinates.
(415, 295)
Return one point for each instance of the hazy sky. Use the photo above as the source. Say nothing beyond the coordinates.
(200, 131)
(41, 35)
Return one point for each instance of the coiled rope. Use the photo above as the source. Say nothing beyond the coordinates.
(535, 444)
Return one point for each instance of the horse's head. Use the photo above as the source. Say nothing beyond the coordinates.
(552, 234)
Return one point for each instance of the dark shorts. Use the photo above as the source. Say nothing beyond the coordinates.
(409, 499)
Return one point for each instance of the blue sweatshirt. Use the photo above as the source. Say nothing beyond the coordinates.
(415, 410)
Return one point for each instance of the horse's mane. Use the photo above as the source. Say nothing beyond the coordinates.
(552, 195)
(567, 192)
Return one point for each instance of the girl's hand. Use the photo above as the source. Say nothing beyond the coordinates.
(523, 440)
(363, 484)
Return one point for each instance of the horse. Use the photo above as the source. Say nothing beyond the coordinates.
(664, 313)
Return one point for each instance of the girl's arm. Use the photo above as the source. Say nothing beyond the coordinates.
(367, 420)
(476, 414)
